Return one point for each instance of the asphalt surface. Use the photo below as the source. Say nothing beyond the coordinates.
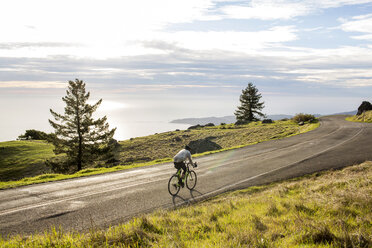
(105, 200)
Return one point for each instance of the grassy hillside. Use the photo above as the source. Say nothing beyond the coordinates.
(166, 145)
(26, 158)
(23, 158)
(366, 117)
(328, 209)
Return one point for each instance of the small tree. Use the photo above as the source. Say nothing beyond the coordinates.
(77, 134)
(33, 134)
(250, 105)
(303, 118)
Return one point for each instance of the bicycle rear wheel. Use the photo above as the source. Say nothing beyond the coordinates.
(191, 180)
(173, 185)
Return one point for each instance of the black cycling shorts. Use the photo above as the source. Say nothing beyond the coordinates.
(180, 165)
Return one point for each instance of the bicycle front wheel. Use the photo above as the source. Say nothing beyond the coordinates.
(173, 185)
(191, 180)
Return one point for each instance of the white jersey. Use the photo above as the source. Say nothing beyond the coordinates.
(182, 156)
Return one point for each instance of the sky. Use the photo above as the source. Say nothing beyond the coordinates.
(155, 61)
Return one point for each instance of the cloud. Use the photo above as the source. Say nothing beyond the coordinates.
(118, 28)
(334, 4)
(124, 45)
(94, 20)
(349, 78)
(361, 24)
(32, 84)
(266, 10)
(362, 37)
(18, 45)
(171, 70)
(281, 9)
(102, 29)
(186, 41)
(142, 88)
(343, 67)
(157, 43)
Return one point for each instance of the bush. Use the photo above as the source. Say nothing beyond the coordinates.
(303, 118)
(60, 165)
(240, 122)
(34, 135)
(209, 125)
(267, 121)
(195, 127)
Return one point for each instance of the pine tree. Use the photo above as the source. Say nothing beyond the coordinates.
(250, 105)
(76, 132)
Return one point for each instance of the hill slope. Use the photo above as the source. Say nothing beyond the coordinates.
(19, 159)
(365, 117)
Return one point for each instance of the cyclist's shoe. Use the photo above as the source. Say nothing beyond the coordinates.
(182, 184)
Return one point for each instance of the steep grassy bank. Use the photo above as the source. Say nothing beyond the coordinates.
(23, 158)
(142, 151)
(365, 117)
(328, 209)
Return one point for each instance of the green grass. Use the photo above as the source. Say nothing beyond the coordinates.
(327, 209)
(142, 151)
(365, 117)
(23, 158)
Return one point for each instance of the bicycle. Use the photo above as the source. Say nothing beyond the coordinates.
(190, 178)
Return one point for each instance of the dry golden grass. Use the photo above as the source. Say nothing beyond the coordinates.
(166, 145)
(365, 117)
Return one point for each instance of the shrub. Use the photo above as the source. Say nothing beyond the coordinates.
(268, 121)
(303, 118)
(60, 165)
(34, 135)
(209, 125)
(195, 127)
(240, 122)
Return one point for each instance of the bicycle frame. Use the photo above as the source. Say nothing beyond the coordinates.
(178, 173)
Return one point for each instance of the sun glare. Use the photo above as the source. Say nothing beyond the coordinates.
(109, 105)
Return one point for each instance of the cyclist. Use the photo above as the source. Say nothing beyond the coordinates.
(179, 161)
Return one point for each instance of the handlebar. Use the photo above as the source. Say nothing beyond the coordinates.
(193, 165)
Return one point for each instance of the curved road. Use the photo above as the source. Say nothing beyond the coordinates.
(104, 200)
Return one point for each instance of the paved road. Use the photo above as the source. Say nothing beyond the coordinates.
(100, 201)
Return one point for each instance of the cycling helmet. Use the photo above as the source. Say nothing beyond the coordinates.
(187, 148)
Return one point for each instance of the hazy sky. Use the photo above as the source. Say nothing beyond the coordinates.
(161, 60)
